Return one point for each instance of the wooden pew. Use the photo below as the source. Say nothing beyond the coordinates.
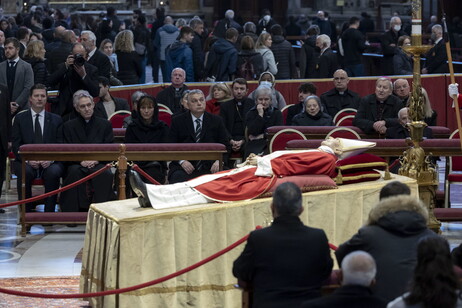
(120, 153)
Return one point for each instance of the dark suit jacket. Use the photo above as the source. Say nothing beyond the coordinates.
(333, 102)
(182, 131)
(167, 98)
(97, 130)
(23, 81)
(367, 113)
(349, 296)
(436, 59)
(234, 116)
(102, 63)
(5, 128)
(286, 263)
(69, 82)
(327, 64)
(292, 111)
(120, 104)
(23, 130)
(400, 132)
(58, 55)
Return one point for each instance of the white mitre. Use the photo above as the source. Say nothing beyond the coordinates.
(351, 147)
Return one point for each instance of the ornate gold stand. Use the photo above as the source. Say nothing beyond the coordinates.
(414, 163)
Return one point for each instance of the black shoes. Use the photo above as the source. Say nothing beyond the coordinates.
(2, 211)
(139, 187)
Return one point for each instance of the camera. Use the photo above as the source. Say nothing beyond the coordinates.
(79, 59)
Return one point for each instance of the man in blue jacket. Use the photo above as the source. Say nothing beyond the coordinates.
(222, 59)
(179, 54)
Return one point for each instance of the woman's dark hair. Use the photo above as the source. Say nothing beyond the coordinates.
(435, 283)
(145, 100)
(247, 43)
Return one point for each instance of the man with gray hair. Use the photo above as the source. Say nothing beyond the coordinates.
(378, 111)
(357, 274)
(94, 56)
(225, 24)
(287, 262)
(436, 57)
(327, 62)
(389, 43)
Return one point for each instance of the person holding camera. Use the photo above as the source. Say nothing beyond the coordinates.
(72, 75)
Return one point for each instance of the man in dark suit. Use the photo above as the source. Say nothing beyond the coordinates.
(108, 104)
(171, 96)
(37, 126)
(287, 262)
(95, 57)
(304, 90)
(358, 274)
(86, 128)
(196, 125)
(17, 75)
(340, 97)
(378, 111)
(436, 57)
(5, 131)
(73, 75)
(327, 63)
(233, 114)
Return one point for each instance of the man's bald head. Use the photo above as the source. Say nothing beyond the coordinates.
(358, 268)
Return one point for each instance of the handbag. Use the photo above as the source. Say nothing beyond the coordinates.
(140, 49)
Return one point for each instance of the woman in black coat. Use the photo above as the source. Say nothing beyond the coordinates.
(313, 115)
(249, 62)
(146, 128)
(258, 119)
(129, 61)
(402, 63)
(35, 56)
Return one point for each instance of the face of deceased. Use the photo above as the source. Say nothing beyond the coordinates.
(333, 143)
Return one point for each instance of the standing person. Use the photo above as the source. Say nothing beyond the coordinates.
(158, 22)
(2, 46)
(263, 45)
(17, 75)
(434, 283)
(279, 261)
(197, 47)
(179, 54)
(324, 24)
(436, 57)
(222, 59)
(129, 62)
(266, 22)
(5, 131)
(249, 62)
(141, 40)
(36, 126)
(340, 97)
(389, 43)
(402, 62)
(199, 126)
(108, 49)
(95, 57)
(225, 24)
(258, 119)
(35, 56)
(308, 53)
(353, 45)
(171, 95)
(233, 113)
(283, 54)
(327, 63)
(165, 35)
(396, 223)
(86, 128)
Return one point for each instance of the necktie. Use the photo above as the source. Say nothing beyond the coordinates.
(12, 63)
(198, 130)
(38, 130)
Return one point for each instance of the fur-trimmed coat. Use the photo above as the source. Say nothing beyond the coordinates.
(391, 234)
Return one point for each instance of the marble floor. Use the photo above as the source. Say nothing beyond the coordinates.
(56, 250)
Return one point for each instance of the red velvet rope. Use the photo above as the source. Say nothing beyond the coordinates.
(333, 247)
(147, 176)
(132, 288)
(57, 191)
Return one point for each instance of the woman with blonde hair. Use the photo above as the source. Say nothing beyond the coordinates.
(263, 47)
(429, 114)
(129, 62)
(219, 92)
(35, 56)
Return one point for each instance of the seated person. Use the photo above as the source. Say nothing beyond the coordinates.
(251, 179)
(219, 92)
(304, 90)
(396, 223)
(313, 115)
(267, 79)
(171, 95)
(134, 98)
(108, 104)
(379, 111)
(37, 126)
(279, 261)
(258, 119)
(147, 128)
(357, 273)
(340, 97)
(195, 125)
(402, 131)
(86, 128)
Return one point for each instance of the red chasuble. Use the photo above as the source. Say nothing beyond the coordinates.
(246, 185)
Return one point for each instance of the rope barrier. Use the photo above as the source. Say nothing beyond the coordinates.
(57, 191)
(132, 288)
(143, 173)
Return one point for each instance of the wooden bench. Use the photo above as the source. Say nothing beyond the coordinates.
(120, 153)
